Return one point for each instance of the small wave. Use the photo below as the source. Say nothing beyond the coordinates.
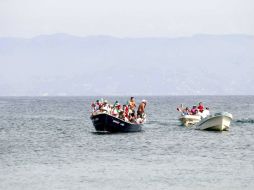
(245, 121)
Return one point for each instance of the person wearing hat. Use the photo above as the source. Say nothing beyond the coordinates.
(141, 109)
(105, 107)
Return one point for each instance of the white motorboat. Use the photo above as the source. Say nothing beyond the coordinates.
(188, 120)
(216, 122)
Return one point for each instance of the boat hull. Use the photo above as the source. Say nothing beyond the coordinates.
(188, 120)
(107, 123)
(217, 122)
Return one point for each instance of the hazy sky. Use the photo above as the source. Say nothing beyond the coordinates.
(126, 18)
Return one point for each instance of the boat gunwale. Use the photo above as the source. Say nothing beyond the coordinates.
(115, 118)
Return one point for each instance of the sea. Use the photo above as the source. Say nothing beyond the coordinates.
(50, 143)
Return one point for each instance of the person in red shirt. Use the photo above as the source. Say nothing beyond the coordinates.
(126, 111)
(200, 107)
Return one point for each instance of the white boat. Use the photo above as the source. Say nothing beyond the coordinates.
(216, 122)
(188, 120)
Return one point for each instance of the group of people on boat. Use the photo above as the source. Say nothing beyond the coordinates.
(200, 110)
(124, 112)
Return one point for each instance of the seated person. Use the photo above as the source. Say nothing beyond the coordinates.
(121, 115)
(200, 107)
(105, 107)
(205, 113)
(139, 120)
(186, 111)
(194, 110)
(116, 110)
(132, 118)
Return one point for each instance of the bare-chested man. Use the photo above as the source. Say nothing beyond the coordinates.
(141, 109)
(132, 105)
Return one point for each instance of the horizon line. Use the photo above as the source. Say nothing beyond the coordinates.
(144, 95)
(128, 37)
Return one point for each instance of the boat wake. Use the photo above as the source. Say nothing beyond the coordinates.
(245, 121)
(162, 123)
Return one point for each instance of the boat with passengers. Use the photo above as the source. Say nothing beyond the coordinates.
(116, 118)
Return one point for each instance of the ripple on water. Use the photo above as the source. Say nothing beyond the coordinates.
(50, 143)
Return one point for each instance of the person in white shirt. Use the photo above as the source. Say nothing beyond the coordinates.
(105, 108)
(205, 113)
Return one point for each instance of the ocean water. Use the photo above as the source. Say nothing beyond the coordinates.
(50, 143)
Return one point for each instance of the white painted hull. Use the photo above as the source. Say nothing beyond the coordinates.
(217, 122)
(188, 120)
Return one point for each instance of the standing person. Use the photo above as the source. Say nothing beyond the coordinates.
(132, 105)
(97, 105)
(200, 107)
(126, 111)
(141, 109)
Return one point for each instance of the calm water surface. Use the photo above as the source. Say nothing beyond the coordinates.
(49, 143)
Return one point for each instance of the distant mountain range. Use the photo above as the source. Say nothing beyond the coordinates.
(62, 65)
